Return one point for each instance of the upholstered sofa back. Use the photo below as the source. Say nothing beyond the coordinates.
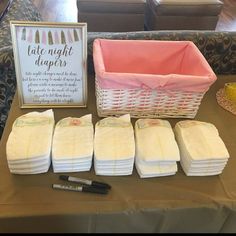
(219, 48)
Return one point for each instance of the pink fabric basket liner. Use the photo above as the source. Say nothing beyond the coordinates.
(151, 64)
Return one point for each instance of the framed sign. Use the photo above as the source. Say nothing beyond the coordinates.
(51, 63)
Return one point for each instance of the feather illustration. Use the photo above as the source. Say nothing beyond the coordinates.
(30, 36)
(76, 38)
(44, 38)
(63, 38)
(69, 37)
(50, 39)
(23, 36)
(37, 40)
(56, 37)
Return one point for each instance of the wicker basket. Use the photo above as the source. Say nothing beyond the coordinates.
(142, 101)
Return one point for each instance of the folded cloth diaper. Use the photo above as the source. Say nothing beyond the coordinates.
(72, 148)
(156, 149)
(202, 150)
(114, 146)
(28, 146)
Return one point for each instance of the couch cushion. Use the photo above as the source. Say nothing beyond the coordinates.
(186, 8)
(111, 6)
(114, 1)
(189, 2)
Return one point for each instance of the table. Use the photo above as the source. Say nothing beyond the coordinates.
(164, 204)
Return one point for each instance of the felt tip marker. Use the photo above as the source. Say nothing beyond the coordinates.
(88, 189)
(85, 181)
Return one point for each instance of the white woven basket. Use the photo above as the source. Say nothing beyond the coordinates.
(141, 103)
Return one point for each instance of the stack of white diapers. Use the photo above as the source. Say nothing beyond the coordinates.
(156, 149)
(203, 153)
(72, 148)
(29, 143)
(114, 146)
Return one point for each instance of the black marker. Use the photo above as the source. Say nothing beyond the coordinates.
(85, 181)
(88, 189)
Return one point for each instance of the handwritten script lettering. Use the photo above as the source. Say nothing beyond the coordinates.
(55, 57)
(58, 85)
